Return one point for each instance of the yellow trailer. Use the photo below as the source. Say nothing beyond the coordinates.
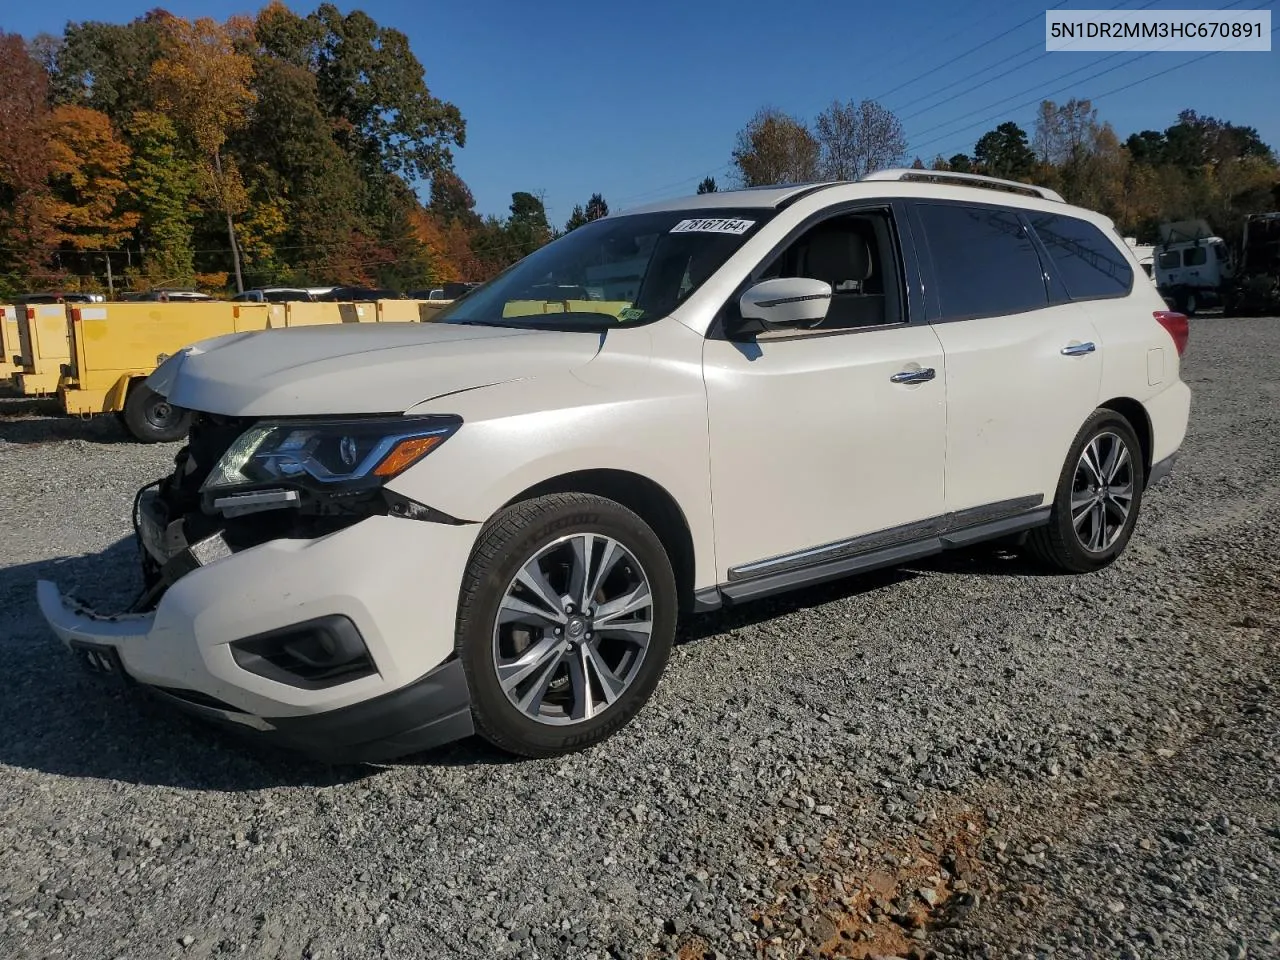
(44, 348)
(10, 348)
(115, 346)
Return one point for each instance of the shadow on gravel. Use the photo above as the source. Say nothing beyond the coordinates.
(45, 425)
(986, 561)
(59, 719)
(736, 616)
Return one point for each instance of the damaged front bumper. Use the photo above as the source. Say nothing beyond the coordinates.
(387, 585)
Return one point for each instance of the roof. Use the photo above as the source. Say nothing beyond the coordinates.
(762, 197)
(944, 183)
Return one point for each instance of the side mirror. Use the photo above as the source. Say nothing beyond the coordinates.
(786, 302)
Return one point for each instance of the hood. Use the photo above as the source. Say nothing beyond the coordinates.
(359, 368)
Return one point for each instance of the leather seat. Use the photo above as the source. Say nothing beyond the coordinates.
(843, 259)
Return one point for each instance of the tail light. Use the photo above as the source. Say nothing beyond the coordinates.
(1176, 324)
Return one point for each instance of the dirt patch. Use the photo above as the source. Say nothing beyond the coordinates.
(880, 901)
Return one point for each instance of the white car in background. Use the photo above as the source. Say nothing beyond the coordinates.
(382, 538)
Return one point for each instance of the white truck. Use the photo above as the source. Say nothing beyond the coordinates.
(1192, 266)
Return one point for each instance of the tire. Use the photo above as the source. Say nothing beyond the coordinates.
(152, 419)
(1189, 304)
(532, 550)
(1075, 547)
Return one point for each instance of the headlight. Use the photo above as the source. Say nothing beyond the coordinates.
(362, 452)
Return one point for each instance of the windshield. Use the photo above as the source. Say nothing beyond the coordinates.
(611, 272)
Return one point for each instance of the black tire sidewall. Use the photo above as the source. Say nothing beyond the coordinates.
(1103, 421)
(140, 399)
(540, 523)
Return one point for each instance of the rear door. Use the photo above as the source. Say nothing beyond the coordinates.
(1022, 372)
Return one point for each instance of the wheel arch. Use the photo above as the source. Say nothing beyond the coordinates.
(1134, 412)
(647, 499)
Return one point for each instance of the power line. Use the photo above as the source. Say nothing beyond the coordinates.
(724, 168)
(1038, 45)
(1062, 76)
(1134, 83)
(961, 56)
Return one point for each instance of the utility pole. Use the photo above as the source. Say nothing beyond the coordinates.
(111, 287)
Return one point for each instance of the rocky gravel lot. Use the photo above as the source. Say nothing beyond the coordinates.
(959, 758)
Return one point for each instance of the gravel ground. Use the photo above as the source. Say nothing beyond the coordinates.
(958, 758)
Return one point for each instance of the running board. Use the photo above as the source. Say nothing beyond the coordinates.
(884, 549)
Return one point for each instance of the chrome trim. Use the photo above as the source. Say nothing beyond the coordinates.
(238, 504)
(914, 376)
(1078, 349)
(963, 180)
(946, 524)
(779, 302)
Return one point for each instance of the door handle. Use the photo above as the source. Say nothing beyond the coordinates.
(923, 375)
(1078, 349)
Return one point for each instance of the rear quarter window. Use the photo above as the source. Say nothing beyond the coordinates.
(984, 261)
(1089, 265)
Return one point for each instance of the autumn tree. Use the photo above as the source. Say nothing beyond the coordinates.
(708, 185)
(596, 207)
(163, 184)
(451, 199)
(370, 79)
(288, 146)
(26, 242)
(202, 81)
(775, 148)
(88, 166)
(1004, 152)
(527, 228)
(858, 138)
(107, 66)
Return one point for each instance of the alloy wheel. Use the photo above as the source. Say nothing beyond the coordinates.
(572, 629)
(1102, 492)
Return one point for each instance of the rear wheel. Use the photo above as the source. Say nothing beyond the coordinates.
(565, 623)
(153, 419)
(1098, 497)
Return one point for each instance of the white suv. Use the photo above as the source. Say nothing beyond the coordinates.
(379, 539)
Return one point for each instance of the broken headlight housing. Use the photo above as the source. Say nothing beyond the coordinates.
(358, 453)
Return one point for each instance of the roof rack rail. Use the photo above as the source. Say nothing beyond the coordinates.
(966, 180)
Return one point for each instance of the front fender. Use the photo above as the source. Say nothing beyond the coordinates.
(520, 434)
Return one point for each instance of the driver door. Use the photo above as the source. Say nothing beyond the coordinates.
(830, 442)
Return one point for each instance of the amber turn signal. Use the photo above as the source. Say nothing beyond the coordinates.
(404, 454)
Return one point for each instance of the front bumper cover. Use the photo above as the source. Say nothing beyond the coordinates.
(429, 712)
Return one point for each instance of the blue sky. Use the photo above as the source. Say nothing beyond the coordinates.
(640, 101)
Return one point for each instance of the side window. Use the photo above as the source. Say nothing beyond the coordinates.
(1193, 257)
(1169, 260)
(1088, 264)
(984, 263)
(858, 255)
(1220, 252)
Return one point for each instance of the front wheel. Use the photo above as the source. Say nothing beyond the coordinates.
(1097, 500)
(153, 419)
(565, 623)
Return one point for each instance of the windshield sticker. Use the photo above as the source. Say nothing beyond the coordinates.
(630, 313)
(735, 227)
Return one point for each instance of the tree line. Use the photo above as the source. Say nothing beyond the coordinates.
(290, 149)
(275, 149)
(1197, 168)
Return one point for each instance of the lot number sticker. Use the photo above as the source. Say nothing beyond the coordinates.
(735, 227)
